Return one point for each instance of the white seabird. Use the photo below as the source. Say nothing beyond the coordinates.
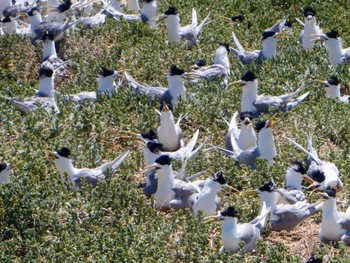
(332, 88)
(5, 173)
(63, 162)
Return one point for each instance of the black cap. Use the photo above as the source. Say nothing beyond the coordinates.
(46, 71)
(65, 6)
(64, 152)
(171, 11)
(298, 167)
(175, 71)
(105, 72)
(333, 80)
(239, 18)
(200, 62)
(230, 211)
(260, 125)
(288, 23)
(154, 147)
(32, 11)
(3, 166)
(227, 46)
(269, 187)
(47, 36)
(161, 107)
(317, 175)
(333, 34)
(267, 34)
(163, 160)
(249, 76)
(218, 177)
(331, 192)
(309, 12)
(151, 135)
(246, 114)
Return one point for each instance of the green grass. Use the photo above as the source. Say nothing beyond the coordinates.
(43, 221)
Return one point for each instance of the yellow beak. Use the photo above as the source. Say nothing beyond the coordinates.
(308, 179)
(249, 193)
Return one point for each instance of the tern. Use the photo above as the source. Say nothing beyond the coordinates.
(257, 104)
(265, 149)
(337, 54)
(207, 201)
(284, 216)
(5, 173)
(335, 225)
(190, 32)
(219, 70)
(44, 98)
(171, 192)
(325, 174)
(269, 45)
(106, 86)
(245, 137)
(310, 29)
(232, 233)
(332, 88)
(63, 162)
(171, 95)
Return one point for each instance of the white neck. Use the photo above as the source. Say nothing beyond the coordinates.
(5, 176)
(176, 88)
(133, 5)
(173, 24)
(249, 96)
(149, 10)
(334, 48)
(293, 179)
(333, 91)
(49, 49)
(330, 210)
(167, 134)
(65, 165)
(310, 28)
(266, 144)
(164, 193)
(230, 241)
(247, 137)
(34, 22)
(10, 27)
(269, 47)
(47, 87)
(106, 85)
(222, 58)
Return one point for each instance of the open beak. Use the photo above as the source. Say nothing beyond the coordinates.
(324, 82)
(50, 155)
(272, 121)
(308, 179)
(151, 168)
(211, 219)
(226, 186)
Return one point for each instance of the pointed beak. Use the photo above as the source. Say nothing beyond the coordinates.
(165, 108)
(50, 155)
(308, 179)
(160, 18)
(151, 168)
(226, 186)
(249, 193)
(272, 121)
(15, 165)
(324, 82)
(319, 37)
(211, 219)
(226, 19)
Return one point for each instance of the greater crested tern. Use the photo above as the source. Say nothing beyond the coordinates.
(245, 137)
(5, 170)
(310, 29)
(265, 148)
(336, 53)
(258, 104)
(171, 192)
(106, 86)
(190, 32)
(335, 225)
(219, 70)
(207, 200)
(64, 164)
(269, 45)
(232, 233)
(44, 98)
(325, 174)
(171, 95)
(332, 88)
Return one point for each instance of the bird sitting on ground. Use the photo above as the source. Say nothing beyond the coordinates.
(63, 162)
(332, 88)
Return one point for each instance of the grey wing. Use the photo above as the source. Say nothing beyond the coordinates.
(291, 196)
(344, 221)
(33, 103)
(301, 37)
(183, 189)
(278, 27)
(92, 176)
(264, 102)
(152, 92)
(248, 156)
(82, 97)
(250, 235)
(166, 97)
(113, 165)
(249, 57)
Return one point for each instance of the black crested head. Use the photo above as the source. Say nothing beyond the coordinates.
(288, 24)
(298, 167)
(260, 125)
(314, 260)
(64, 152)
(331, 191)
(267, 34)
(200, 62)
(154, 147)
(333, 80)
(151, 135)
(33, 11)
(45, 71)
(269, 187)
(226, 46)
(105, 72)
(249, 76)
(246, 114)
(47, 36)
(229, 211)
(239, 18)
(218, 177)
(171, 11)
(3, 166)
(161, 107)
(148, 1)
(333, 34)
(309, 12)
(65, 6)
(175, 71)
(317, 176)
(163, 160)
(6, 19)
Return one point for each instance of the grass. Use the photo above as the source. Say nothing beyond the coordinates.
(43, 221)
